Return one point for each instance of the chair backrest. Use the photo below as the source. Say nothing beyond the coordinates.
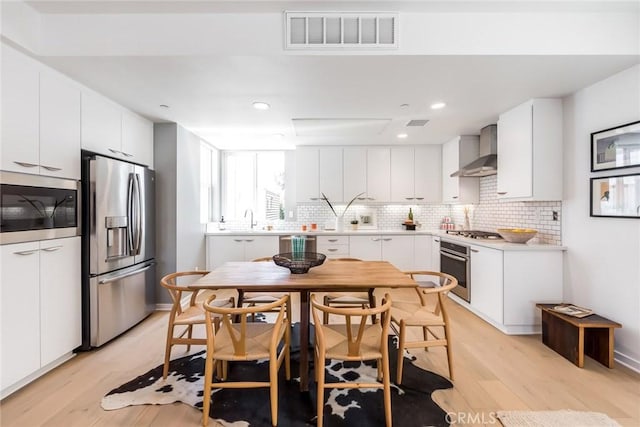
(262, 259)
(238, 334)
(445, 282)
(355, 330)
(170, 283)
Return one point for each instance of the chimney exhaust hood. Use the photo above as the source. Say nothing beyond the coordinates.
(487, 163)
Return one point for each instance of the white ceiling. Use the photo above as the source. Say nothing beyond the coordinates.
(211, 95)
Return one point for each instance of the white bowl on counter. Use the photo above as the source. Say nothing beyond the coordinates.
(517, 235)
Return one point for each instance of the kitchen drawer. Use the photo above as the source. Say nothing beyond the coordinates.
(333, 240)
(333, 250)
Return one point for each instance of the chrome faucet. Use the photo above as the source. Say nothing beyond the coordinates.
(251, 223)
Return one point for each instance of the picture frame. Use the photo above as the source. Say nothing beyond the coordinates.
(615, 196)
(616, 148)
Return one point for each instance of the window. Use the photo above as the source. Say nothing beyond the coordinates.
(253, 180)
(209, 183)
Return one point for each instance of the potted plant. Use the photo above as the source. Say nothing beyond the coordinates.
(354, 224)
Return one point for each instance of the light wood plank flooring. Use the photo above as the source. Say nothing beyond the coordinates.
(493, 372)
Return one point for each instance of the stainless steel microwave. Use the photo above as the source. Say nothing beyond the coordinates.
(34, 207)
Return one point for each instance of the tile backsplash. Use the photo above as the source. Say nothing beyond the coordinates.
(488, 215)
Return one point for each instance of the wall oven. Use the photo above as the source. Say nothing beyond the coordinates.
(455, 260)
(34, 207)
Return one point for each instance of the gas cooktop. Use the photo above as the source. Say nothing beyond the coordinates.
(475, 234)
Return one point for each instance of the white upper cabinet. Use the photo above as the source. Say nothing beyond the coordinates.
(378, 174)
(530, 151)
(20, 111)
(101, 125)
(307, 174)
(428, 173)
(330, 173)
(456, 153)
(40, 118)
(416, 174)
(109, 129)
(137, 138)
(355, 172)
(402, 174)
(59, 126)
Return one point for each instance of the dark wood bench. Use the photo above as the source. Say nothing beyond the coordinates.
(573, 337)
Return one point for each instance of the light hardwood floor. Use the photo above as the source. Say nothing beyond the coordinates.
(493, 372)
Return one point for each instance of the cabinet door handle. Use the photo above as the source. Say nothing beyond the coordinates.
(26, 252)
(313, 198)
(333, 240)
(375, 239)
(370, 198)
(437, 241)
(52, 248)
(126, 154)
(25, 164)
(362, 198)
(454, 197)
(248, 240)
(387, 239)
(474, 250)
(51, 168)
(419, 198)
(332, 249)
(408, 198)
(237, 240)
(115, 151)
(502, 193)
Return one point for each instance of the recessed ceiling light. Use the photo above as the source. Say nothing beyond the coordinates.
(438, 105)
(403, 135)
(404, 105)
(164, 106)
(261, 105)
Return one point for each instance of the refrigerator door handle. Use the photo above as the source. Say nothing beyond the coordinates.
(138, 215)
(122, 276)
(130, 215)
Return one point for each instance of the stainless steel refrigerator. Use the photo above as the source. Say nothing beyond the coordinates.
(118, 266)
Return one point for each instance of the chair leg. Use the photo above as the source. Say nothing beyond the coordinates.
(449, 352)
(273, 391)
(167, 351)
(387, 390)
(425, 336)
(189, 336)
(401, 340)
(206, 396)
(320, 390)
(325, 315)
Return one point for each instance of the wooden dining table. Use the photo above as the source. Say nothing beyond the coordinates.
(331, 276)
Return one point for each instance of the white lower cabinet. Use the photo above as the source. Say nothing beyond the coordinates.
(221, 249)
(506, 285)
(398, 250)
(41, 308)
(333, 246)
(487, 281)
(422, 259)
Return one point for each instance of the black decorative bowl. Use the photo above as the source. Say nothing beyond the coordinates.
(299, 263)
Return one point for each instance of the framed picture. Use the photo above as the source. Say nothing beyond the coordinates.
(616, 196)
(616, 148)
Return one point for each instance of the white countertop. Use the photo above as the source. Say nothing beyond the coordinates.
(495, 244)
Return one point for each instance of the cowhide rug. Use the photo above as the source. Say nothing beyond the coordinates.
(411, 402)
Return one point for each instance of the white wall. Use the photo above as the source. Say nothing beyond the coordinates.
(179, 235)
(602, 265)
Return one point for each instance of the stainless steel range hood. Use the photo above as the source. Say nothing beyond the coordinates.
(487, 163)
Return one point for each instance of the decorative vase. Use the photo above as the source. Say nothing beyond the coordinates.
(340, 224)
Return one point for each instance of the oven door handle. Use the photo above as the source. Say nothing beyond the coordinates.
(457, 258)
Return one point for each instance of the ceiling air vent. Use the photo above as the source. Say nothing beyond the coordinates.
(418, 122)
(327, 30)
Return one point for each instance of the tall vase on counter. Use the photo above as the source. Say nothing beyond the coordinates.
(339, 224)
